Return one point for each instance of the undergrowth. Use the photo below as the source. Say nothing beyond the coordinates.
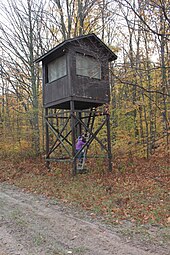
(135, 191)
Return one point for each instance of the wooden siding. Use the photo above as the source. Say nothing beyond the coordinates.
(56, 90)
(85, 91)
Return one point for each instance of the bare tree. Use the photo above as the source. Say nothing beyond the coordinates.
(20, 30)
(147, 21)
(77, 17)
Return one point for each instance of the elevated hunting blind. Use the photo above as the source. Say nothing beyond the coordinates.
(77, 69)
(75, 78)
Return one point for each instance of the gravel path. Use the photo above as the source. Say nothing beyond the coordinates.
(35, 225)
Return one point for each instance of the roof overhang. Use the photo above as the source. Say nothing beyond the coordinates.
(65, 43)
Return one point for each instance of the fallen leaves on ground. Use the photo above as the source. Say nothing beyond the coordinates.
(138, 194)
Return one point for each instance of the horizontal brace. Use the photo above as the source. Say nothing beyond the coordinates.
(58, 159)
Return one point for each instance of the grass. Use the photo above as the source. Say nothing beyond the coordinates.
(16, 216)
(38, 240)
(79, 250)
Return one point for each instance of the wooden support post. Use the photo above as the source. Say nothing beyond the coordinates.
(47, 139)
(80, 127)
(109, 142)
(73, 128)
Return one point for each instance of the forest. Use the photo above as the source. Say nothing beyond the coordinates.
(138, 32)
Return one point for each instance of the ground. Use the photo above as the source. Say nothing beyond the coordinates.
(46, 212)
(36, 225)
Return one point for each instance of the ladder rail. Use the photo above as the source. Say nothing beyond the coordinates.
(81, 161)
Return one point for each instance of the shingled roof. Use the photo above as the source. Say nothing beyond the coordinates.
(65, 43)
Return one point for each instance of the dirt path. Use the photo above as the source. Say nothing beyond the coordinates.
(35, 225)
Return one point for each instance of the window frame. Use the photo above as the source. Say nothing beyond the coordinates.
(98, 75)
(55, 62)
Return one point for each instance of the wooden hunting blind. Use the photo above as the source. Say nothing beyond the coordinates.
(75, 78)
(77, 69)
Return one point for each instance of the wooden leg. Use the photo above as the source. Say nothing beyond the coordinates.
(47, 138)
(109, 142)
(73, 128)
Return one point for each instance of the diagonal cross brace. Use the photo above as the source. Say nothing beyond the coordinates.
(58, 137)
(92, 137)
(92, 134)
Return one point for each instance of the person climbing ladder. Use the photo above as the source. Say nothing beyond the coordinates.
(81, 156)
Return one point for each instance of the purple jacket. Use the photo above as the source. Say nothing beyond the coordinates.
(79, 144)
